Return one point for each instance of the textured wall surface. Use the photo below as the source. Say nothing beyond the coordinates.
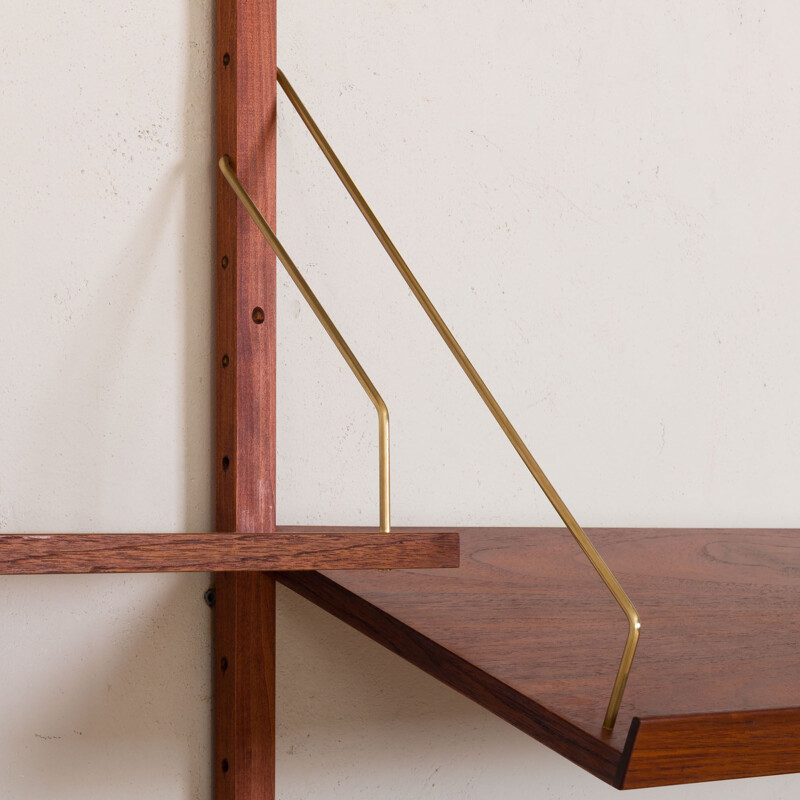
(601, 197)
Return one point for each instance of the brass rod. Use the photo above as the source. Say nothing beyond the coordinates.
(558, 504)
(337, 338)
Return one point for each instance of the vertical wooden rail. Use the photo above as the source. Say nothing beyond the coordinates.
(245, 400)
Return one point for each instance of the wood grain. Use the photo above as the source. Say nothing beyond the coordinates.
(54, 554)
(245, 397)
(245, 268)
(244, 681)
(526, 628)
(710, 747)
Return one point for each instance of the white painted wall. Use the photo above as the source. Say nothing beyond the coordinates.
(602, 199)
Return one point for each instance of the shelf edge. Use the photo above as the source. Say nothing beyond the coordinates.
(693, 748)
(83, 553)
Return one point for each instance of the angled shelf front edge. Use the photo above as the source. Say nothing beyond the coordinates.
(525, 628)
(298, 549)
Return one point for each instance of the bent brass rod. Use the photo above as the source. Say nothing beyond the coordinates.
(558, 504)
(337, 338)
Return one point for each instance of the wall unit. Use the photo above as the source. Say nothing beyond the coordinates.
(523, 626)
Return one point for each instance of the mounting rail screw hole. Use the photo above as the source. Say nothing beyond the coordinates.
(258, 315)
(226, 462)
(224, 664)
(226, 59)
(210, 596)
(224, 262)
(225, 765)
(225, 360)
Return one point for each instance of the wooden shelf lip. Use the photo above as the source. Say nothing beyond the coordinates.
(525, 628)
(662, 751)
(293, 548)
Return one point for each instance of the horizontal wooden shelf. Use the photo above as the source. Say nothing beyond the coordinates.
(287, 549)
(525, 628)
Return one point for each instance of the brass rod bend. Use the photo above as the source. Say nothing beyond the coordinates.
(327, 323)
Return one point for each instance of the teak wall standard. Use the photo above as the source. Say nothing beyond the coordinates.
(245, 399)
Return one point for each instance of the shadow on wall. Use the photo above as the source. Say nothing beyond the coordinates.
(95, 406)
(200, 176)
(108, 677)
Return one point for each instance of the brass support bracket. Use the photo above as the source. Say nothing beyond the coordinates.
(341, 345)
(596, 560)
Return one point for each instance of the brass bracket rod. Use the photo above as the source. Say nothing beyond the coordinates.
(558, 504)
(337, 338)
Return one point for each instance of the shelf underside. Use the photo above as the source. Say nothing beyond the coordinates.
(525, 628)
(301, 548)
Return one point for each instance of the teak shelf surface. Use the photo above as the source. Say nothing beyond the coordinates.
(297, 548)
(525, 628)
